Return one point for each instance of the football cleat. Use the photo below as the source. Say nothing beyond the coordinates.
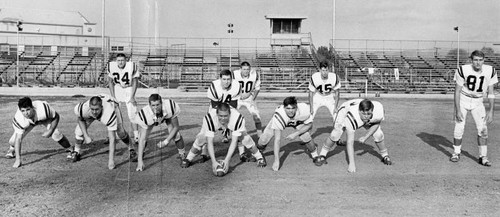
(484, 161)
(261, 147)
(341, 143)
(185, 163)
(261, 162)
(386, 160)
(11, 153)
(74, 156)
(319, 160)
(132, 155)
(182, 156)
(204, 158)
(246, 158)
(455, 157)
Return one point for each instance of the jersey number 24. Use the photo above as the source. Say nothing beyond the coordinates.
(124, 79)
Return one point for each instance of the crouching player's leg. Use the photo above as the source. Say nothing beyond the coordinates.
(173, 133)
(378, 137)
(248, 143)
(196, 149)
(307, 140)
(328, 145)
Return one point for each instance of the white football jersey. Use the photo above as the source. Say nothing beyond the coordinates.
(250, 83)
(146, 117)
(317, 84)
(475, 83)
(211, 123)
(43, 112)
(123, 76)
(219, 95)
(280, 119)
(108, 116)
(353, 119)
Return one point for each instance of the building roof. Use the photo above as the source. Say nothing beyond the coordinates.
(43, 16)
(280, 16)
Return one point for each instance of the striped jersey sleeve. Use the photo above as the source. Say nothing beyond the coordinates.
(212, 92)
(209, 125)
(239, 126)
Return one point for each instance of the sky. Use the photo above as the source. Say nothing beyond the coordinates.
(355, 19)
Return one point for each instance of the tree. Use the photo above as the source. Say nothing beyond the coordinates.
(488, 51)
(453, 53)
(324, 54)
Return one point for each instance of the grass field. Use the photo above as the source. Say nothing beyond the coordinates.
(421, 182)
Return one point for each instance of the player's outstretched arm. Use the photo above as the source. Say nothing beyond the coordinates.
(17, 148)
(370, 132)
(458, 114)
(211, 152)
(83, 128)
(311, 96)
(143, 136)
(111, 86)
(336, 97)
(350, 150)
(491, 100)
(175, 129)
(277, 144)
(135, 81)
(53, 125)
(112, 145)
(230, 151)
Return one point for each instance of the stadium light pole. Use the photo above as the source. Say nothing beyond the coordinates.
(18, 29)
(333, 23)
(230, 32)
(458, 46)
(103, 32)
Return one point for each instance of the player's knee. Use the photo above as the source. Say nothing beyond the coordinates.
(335, 134)
(56, 135)
(378, 136)
(247, 142)
(458, 133)
(178, 137)
(483, 133)
(305, 137)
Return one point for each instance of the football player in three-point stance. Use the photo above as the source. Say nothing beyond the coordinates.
(29, 115)
(290, 114)
(157, 112)
(123, 79)
(223, 90)
(323, 90)
(103, 109)
(228, 118)
(473, 81)
(351, 116)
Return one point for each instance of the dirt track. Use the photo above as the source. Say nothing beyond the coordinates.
(422, 181)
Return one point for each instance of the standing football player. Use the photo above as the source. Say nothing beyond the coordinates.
(324, 90)
(473, 81)
(249, 81)
(122, 83)
(290, 114)
(351, 116)
(157, 112)
(224, 117)
(31, 114)
(103, 109)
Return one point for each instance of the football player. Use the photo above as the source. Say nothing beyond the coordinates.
(249, 81)
(353, 115)
(31, 114)
(223, 90)
(157, 112)
(324, 90)
(473, 81)
(122, 83)
(103, 109)
(223, 117)
(290, 114)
